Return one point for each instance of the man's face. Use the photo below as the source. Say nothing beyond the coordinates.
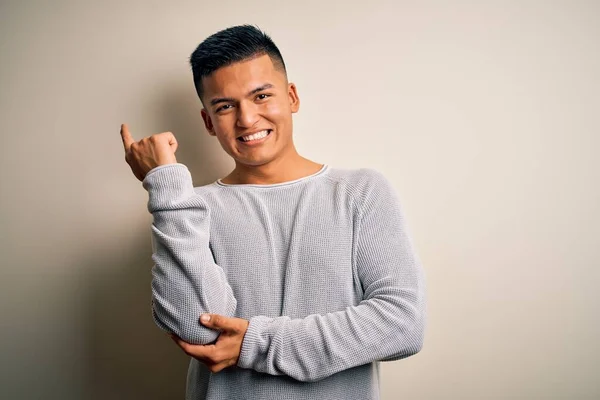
(250, 97)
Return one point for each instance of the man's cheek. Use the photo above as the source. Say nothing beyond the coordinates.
(276, 110)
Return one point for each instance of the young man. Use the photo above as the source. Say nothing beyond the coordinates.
(304, 274)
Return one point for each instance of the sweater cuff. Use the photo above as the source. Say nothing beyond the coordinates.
(257, 341)
(167, 183)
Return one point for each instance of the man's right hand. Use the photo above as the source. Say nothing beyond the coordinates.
(148, 153)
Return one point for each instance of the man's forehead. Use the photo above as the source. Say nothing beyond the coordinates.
(242, 77)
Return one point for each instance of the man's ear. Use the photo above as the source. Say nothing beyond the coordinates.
(208, 123)
(294, 99)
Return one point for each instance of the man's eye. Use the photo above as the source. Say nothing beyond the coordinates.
(262, 96)
(223, 108)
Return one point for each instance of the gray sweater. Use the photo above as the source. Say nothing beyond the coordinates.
(323, 268)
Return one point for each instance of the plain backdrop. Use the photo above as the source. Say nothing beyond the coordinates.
(483, 115)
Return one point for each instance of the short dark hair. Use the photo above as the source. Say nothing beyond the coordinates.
(231, 45)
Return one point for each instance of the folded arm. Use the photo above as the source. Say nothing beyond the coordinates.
(186, 281)
(387, 325)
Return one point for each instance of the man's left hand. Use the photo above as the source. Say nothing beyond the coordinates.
(225, 352)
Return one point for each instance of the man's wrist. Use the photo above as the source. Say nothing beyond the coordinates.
(257, 340)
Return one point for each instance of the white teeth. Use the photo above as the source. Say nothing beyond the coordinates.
(255, 136)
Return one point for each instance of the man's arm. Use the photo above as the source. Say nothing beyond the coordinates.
(388, 324)
(186, 281)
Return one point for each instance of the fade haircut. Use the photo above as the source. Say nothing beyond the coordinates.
(231, 45)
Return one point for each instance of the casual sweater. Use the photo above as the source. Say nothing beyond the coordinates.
(322, 267)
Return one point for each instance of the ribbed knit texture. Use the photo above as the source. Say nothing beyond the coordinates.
(322, 267)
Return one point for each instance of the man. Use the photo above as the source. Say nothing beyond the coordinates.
(304, 274)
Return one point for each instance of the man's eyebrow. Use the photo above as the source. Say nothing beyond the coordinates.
(218, 100)
(261, 88)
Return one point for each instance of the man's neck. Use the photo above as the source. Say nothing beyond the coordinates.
(277, 171)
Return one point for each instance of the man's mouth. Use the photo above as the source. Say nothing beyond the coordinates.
(255, 136)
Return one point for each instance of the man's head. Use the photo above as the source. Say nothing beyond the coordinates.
(231, 45)
(241, 80)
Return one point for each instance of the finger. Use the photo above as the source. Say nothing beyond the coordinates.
(175, 339)
(173, 142)
(215, 321)
(230, 362)
(126, 137)
(184, 345)
(195, 350)
(221, 366)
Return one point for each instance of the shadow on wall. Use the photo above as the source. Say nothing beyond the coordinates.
(129, 357)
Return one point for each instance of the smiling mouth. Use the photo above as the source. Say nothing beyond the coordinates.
(255, 136)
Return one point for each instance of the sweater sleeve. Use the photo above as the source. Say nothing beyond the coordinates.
(186, 281)
(388, 324)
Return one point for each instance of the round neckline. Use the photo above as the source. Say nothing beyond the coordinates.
(324, 168)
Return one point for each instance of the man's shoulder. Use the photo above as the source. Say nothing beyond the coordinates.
(366, 186)
(359, 180)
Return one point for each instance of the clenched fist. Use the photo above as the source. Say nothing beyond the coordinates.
(148, 153)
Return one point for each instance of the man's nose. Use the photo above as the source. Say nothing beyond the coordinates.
(247, 115)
